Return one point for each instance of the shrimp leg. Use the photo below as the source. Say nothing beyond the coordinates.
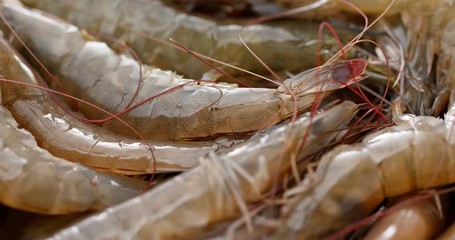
(353, 180)
(183, 206)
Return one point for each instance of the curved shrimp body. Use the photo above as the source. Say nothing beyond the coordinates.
(352, 180)
(178, 209)
(138, 21)
(90, 145)
(32, 179)
(95, 73)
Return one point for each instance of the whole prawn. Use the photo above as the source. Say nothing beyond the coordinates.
(352, 180)
(214, 191)
(285, 45)
(90, 145)
(32, 179)
(183, 109)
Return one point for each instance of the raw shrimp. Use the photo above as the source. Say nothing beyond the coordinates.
(421, 220)
(186, 204)
(90, 145)
(32, 179)
(351, 181)
(431, 30)
(333, 7)
(284, 45)
(92, 71)
(432, 33)
(429, 56)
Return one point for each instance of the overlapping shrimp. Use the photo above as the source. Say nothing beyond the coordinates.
(430, 52)
(92, 71)
(432, 34)
(32, 179)
(353, 180)
(90, 145)
(285, 45)
(214, 191)
(429, 55)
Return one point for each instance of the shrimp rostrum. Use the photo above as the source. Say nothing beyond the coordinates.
(182, 109)
(214, 190)
(352, 181)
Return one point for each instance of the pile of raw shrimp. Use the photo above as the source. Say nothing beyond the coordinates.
(228, 119)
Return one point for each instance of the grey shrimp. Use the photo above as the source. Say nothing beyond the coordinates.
(32, 179)
(184, 205)
(352, 180)
(430, 27)
(90, 145)
(289, 46)
(193, 111)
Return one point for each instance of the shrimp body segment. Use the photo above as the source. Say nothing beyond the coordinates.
(94, 72)
(353, 180)
(186, 204)
(32, 179)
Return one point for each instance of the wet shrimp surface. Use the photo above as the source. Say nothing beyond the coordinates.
(285, 119)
